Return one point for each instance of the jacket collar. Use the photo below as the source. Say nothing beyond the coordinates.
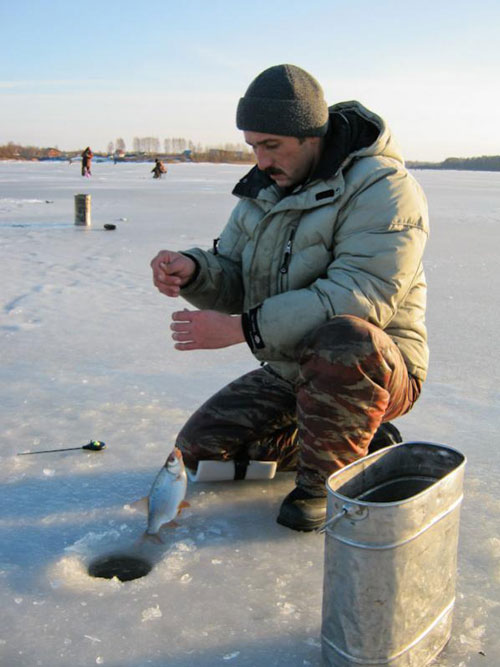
(348, 132)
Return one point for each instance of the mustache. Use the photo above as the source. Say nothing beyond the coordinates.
(272, 171)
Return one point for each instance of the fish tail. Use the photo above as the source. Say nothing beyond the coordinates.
(151, 537)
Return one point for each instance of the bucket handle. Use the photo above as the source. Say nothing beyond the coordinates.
(358, 514)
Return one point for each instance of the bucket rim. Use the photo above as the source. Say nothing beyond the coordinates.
(374, 505)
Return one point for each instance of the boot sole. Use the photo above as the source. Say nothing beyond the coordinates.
(303, 527)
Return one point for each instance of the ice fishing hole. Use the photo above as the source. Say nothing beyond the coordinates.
(123, 567)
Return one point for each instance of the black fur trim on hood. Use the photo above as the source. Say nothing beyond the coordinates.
(252, 183)
(348, 133)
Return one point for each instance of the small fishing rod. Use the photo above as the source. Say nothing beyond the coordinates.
(93, 446)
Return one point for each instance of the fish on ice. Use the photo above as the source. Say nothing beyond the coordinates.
(166, 497)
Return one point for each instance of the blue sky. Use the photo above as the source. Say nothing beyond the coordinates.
(79, 73)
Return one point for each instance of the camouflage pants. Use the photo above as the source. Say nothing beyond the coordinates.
(352, 378)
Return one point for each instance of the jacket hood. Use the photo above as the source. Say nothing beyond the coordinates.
(364, 133)
(353, 132)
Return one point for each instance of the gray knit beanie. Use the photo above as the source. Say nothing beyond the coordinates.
(284, 100)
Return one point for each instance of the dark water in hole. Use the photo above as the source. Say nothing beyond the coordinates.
(125, 568)
(396, 489)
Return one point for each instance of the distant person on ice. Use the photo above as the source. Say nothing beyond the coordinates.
(319, 271)
(87, 156)
(158, 169)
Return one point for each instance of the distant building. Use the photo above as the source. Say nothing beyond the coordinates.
(53, 152)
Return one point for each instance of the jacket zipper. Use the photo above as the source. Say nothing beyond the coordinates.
(288, 253)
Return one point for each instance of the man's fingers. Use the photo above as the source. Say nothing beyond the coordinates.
(182, 316)
(186, 346)
(170, 268)
(161, 257)
(168, 290)
(165, 269)
(163, 276)
(183, 336)
(180, 327)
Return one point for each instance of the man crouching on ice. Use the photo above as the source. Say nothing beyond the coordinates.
(319, 270)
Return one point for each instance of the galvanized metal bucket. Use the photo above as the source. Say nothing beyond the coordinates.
(391, 555)
(82, 210)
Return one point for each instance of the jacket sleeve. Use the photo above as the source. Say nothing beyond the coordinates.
(377, 252)
(218, 284)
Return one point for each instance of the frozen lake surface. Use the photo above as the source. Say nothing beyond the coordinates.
(86, 354)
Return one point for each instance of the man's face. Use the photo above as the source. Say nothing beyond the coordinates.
(287, 160)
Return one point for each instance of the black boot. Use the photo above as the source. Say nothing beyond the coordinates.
(386, 434)
(302, 511)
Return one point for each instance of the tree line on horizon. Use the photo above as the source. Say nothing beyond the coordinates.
(141, 146)
(150, 147)
(177, 146)
(483, 163)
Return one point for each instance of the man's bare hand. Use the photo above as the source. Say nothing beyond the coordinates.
(171, 271)
(205, 329)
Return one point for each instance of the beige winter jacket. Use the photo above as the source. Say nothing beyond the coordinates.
(347, 242)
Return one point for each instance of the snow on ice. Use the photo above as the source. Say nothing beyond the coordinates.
(86, 354)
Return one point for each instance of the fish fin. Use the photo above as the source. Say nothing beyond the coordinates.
(152, 537)
(171, 524)
(183, 505)
(142, 505)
